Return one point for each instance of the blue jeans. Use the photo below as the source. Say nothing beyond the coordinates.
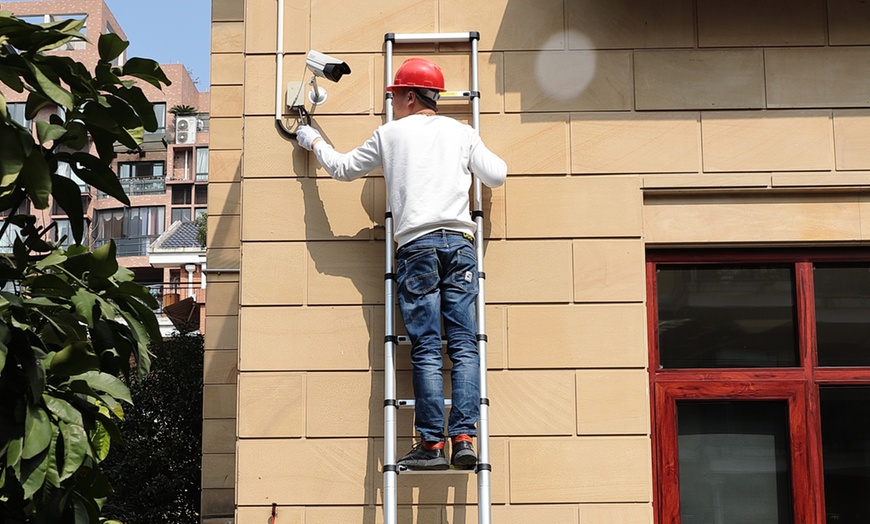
(437, 279)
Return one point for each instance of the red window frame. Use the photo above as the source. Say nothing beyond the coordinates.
(798, 386)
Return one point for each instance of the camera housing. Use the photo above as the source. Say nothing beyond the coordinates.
(326, 66)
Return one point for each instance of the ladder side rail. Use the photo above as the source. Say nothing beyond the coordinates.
(432, 38)
(484, 502)
(390, 404)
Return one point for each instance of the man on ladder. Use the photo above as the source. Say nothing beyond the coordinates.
(428, 161)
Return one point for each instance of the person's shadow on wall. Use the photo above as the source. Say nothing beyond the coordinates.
(361, 260)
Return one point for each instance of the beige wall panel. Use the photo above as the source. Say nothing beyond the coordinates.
(217, 502)
(305, 339)
(494, 219)
(219, 435)
(346, 273)
(767, 141)
(223, 299)
(522, 271)
(218, 471)
(530, 144)
(224, 199)
(291, 471)
(225, 133)
(228, 258)
(260, 83)
(344, 133)
(568, 81)
(355, 408)
(227, 37)
(852, 138)
(227, 69)
(356, 93)
(785, 219)
(609, 271)
(830, 179)
(573, 207)
(224, 10)
(741, 23)
(616, 513)
(273, 273)
(507, 24)
(219, 401)
(371, 515)
(271, 405)
(267, 154)
(532, 402)
(364, 29)
(702, 79)
(591, 469)
(261, 30)
(220, 366)
(630, 24)
(224, 166)
(707, 181)
(226, 101)
(635, 143)
(847, 22)
(222, 332)
(274, 209)
(338, 210)
(262, 514)
(864, 204)
(223, 231)
(599, 336)
(613, 402)
(530, 513)
(823, 77)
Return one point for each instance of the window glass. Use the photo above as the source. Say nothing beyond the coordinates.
(132, 229)
(201, 163)
(714, 316)
(734, 462)
(845, 413)
(16, 113)
(201, 195)
(160, 114)
(181, 195)
(842, 314)
(182, 214)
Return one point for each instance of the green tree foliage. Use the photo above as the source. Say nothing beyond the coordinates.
(71, 321)
(201, 228)
(156, 471)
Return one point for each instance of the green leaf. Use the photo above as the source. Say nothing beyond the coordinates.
(76, 446)
(52, 475)
(55, 258)
(84, 302)
(101, 441)
(111, 46)
(63, 410)
(106, 383)
(37, 432)
(48, 132)
(33, 472)
(145, 69)
(94, 172)
(139, 102)
(52, 286)
(53, 91)
(74, 359)
(37, 179)
(103, 261)
(67, 194)
(4, 335)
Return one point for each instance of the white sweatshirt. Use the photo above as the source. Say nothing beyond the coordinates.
(427, 163)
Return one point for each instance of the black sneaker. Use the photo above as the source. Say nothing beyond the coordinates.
(427, 459)
(463, 455)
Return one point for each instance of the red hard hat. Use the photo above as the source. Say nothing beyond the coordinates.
(419, 72)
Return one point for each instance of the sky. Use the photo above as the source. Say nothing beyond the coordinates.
(169, 31)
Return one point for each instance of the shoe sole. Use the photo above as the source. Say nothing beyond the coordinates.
(464, 459)
(426, 465)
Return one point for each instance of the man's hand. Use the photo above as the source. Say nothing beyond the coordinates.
(306, 136)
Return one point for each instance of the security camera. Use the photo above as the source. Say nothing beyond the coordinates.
(326, 66)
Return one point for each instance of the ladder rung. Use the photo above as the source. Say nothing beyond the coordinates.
(409, 403)
(431, 38)
(456, 95)
(452, 471)
(404, 340)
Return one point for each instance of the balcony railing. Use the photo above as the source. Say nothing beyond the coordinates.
(141, 186)
(130, 246)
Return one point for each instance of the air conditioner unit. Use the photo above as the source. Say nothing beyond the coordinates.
(185, 130)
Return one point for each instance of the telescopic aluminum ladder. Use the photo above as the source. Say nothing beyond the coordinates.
(391, 340)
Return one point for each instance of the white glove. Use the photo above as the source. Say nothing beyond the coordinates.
(306, 135)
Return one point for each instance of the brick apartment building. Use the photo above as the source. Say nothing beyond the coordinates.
(166, 179)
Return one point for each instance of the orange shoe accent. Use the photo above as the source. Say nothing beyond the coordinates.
(433, 445)
(462, 438)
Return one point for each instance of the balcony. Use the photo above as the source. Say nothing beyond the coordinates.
(130, 246)
(141, 186)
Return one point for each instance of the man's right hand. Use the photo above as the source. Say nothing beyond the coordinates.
(306, 136)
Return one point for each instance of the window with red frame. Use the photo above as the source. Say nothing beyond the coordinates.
(760, 380)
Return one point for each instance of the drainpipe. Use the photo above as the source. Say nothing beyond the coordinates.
(190, 269)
